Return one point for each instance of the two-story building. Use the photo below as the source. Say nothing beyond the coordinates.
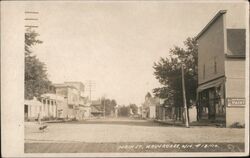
(84, 109)
(221, 68)
(70, 94)
(77, 105)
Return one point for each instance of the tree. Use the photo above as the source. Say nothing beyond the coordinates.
(36, 80)
(168, 73)
(109, 105)
(134, 108)
(123, 111)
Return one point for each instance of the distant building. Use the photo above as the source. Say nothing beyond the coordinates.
(52, 105)
(78, 105)
(83, 101)
(96, 108)
(32, 109)
(149, 106)
(46, 106)
(221, 68)
(70, 94)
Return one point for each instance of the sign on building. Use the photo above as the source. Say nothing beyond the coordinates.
(236, 102)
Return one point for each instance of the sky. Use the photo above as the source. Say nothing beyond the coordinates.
(114, 44)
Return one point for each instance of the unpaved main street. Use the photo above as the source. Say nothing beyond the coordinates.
(128, 131)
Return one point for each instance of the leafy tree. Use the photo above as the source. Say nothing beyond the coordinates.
(109, 106)
(123, 111)
(168, 73)
(36, 80)
(134, 108)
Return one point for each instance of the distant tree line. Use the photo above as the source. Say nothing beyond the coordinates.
(108, 105)
(125, 111)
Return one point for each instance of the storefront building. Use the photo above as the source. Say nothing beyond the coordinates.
(221, 69)
(32, 109)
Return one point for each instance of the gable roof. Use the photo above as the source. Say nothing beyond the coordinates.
(221, 12)
(236, 42)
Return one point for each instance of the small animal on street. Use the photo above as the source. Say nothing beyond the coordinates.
(42, 128)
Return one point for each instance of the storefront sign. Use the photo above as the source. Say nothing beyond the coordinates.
(236, 102)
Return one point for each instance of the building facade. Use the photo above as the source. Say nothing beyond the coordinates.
(97, 108)
(32, 109)
(47, 107)
(221, 69)
(83, 102)
(149, 107)
(70, 94)
(52, 105)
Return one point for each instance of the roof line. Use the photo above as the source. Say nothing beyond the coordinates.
(221, 12)
(63, 85)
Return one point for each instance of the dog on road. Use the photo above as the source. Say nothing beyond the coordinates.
(42, 128)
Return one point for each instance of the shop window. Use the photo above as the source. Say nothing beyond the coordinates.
(26, 108)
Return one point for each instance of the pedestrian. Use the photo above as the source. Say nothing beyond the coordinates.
(39, 118)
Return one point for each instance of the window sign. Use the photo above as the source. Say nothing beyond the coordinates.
(236, 102)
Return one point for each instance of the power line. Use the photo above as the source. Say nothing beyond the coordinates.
(29, 19)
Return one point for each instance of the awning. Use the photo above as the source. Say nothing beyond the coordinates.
(214, 83)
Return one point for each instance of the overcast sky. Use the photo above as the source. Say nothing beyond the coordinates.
(115, 43)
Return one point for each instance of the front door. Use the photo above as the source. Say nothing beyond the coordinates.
(26, 109)
(211, 108)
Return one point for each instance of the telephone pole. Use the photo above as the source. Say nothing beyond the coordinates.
(90, 86)
(184, 96)
(104, 108)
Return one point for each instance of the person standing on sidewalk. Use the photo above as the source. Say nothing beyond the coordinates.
(39, 118)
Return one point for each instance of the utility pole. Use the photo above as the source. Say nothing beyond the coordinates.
(90, 86)
(184, 96)
(104, 109)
